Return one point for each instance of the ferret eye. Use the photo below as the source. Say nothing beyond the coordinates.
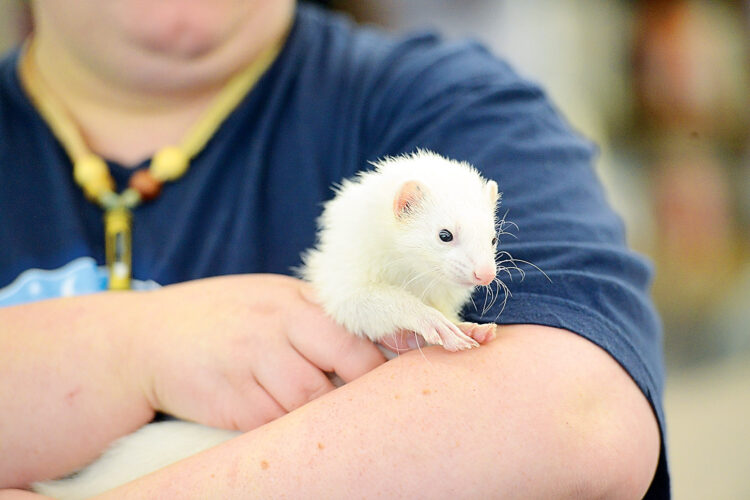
(494, 241)
(445, 235)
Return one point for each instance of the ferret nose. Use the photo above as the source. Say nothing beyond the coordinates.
(484, 275)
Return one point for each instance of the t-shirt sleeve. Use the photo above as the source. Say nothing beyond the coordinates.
(462, 102)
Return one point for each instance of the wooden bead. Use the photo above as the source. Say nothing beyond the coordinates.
(146, 185)
(92, 174)
(169, 163)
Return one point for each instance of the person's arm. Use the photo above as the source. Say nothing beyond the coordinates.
(77, 373)
(62, 376)
(537, 413)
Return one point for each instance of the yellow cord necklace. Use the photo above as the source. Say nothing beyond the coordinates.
(91, 172)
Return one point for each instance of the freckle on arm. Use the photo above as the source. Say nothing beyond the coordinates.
(71, 395)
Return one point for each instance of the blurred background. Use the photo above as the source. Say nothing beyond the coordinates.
(663, 87)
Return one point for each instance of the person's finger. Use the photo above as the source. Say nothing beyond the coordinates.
(21, 495)
(248, 407)
(290, 378)
(333, 349)
(330, 346)
(402, 341)
(230, 399)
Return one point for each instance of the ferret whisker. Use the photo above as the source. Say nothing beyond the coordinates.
(501, 267)
(405, 284)
(513, 264)
(395, 344)
(395, 262)
(532, 265)
(503, 254)
(502, 232)
(495, 295)
(429, 286)
(499, 288)
(507, 295)
(488, 294)
(502, 224)
(505, 290)
(513, 267)
(484, 305)
(419, 348)
(409, 279)
(409, 260)
(506, 270)
(503, 221)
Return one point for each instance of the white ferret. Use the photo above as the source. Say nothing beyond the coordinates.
(399, 248)
(403, 247)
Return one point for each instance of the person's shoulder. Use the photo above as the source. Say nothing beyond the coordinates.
(333, 39)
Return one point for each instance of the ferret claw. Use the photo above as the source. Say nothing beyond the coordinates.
(439, 330)
(453, 339)
(465, 341)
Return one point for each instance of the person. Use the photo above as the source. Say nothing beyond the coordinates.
(564, 402)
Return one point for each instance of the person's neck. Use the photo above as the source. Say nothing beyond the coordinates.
(128, 119)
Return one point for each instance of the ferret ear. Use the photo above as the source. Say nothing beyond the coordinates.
(408, 198)
(491, 189)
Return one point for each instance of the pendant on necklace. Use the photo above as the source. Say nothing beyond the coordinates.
(118, 241)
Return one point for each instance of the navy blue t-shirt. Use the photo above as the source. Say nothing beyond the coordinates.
(337, 97)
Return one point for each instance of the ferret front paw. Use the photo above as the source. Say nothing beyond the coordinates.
(441, 331)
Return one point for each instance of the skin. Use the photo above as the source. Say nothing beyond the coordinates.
(538, 412)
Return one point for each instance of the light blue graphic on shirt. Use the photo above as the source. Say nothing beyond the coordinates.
(79, 277)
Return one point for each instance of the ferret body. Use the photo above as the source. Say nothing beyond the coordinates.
(399, 248)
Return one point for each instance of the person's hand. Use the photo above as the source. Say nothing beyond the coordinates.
(239, 351)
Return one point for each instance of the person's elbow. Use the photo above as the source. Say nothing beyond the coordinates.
(624, 452)
(576, 422)
(613, 440)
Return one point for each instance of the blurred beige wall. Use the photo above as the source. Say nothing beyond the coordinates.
(13, 23)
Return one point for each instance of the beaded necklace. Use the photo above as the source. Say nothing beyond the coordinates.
(91, 172)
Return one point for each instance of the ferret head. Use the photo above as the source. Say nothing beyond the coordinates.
(446, 223)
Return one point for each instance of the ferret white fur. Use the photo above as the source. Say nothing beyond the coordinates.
(380, 265)
(150, 448)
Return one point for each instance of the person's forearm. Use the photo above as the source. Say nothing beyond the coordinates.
(537, 413)
(64, 388)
